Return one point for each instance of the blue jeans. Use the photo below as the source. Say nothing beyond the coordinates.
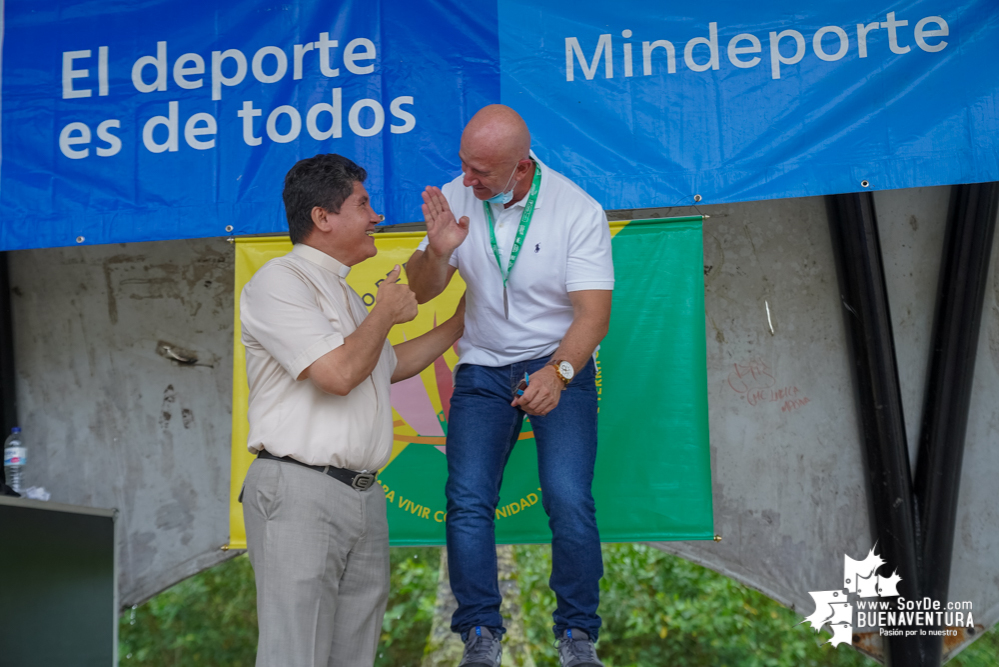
(482, 430)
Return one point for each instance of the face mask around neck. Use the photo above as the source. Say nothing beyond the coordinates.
(504, 198)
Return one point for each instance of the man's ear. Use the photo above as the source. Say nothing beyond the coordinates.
(522, 167)
(321, 219)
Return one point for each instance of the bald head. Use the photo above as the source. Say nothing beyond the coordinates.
(495, 153)
(496, 133)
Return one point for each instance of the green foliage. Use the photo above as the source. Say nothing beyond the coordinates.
(661, 610)
(657, 610)
(983, 653)
(410, 610)
(208, 620)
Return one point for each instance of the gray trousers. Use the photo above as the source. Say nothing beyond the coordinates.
(320, 556)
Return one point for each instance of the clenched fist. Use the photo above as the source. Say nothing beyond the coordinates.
(397, 298)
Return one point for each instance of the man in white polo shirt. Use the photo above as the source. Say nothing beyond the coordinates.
(319, 368)
(534, 250)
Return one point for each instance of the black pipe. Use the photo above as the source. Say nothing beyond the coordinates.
(964, 269)
(853, 227)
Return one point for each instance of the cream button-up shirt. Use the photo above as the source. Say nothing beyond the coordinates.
(294, 310)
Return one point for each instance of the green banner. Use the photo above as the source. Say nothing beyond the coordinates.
(653, 475)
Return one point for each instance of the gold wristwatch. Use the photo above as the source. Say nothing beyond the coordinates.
(564, 371)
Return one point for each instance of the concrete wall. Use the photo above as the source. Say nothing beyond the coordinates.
(110, 418)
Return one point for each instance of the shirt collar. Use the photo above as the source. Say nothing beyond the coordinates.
(320, 259)
(541, 192)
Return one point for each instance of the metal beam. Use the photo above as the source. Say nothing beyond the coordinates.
(964, 269)
(864, 296)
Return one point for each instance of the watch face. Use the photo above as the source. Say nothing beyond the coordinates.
(565, 368)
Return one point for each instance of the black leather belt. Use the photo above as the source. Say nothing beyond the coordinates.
(357, 480)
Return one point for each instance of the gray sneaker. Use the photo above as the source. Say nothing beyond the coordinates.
(482, 649)
(575, 649)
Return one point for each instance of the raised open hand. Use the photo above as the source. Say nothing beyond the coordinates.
(443, 231)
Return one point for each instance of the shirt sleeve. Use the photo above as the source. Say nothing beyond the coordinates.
(590, 263)
(279, 312)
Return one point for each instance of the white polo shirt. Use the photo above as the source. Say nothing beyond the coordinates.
(567, 248)
(294, 310)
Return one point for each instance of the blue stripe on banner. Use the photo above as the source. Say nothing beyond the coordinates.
(176, 119)
(738, 101)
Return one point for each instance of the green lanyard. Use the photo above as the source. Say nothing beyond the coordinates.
(518, 241)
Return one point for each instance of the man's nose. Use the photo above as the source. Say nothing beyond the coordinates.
(469, 181)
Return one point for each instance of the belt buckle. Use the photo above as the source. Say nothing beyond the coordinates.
(363, 481)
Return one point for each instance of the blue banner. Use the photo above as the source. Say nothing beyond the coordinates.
(737, 101)
(178, 119)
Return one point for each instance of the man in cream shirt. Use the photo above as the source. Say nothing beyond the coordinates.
(319, 368)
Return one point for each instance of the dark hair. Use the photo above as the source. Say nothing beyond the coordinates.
(325, 180)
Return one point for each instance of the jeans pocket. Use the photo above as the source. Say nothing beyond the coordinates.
(469, 379)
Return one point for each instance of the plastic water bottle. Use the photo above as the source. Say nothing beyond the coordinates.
(14, 457)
